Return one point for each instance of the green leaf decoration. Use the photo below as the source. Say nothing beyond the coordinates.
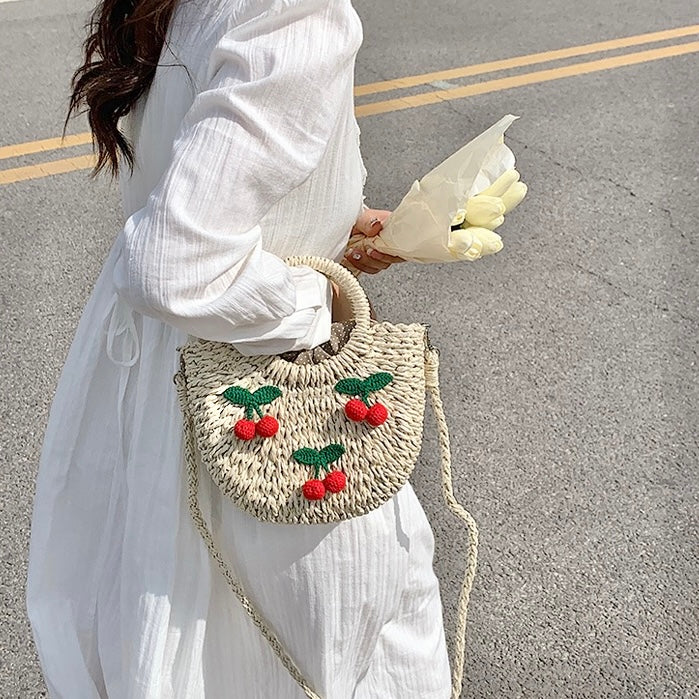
(239, 396)
(350, 387)
(266, 394)
(308, 456)
(376, 382)
(331, 453)
(357, 387)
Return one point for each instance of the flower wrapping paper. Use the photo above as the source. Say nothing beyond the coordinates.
(419, 229)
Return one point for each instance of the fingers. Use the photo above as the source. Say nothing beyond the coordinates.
(368, 260)
(381, 256)
(355, 239)
(370, 222)
(360, 255)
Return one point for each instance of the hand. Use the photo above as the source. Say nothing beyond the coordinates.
(360, 256)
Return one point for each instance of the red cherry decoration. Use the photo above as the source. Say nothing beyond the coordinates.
(313, 489)
(267, 426)
(335, 481)
(377, 414)
(356, 410)
(244, 429)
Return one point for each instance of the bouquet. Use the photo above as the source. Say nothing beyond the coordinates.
(453, 211)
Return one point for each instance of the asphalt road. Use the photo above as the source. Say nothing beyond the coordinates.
(569, 359)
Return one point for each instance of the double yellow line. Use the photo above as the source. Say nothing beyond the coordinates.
(410, 101)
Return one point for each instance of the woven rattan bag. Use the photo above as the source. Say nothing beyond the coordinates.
(333, 440)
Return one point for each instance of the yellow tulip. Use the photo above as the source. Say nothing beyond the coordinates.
(483, 213)
(473, 242)
(459, 217)
(501, 185)
(482, 210)
(491, 242)
(514, 196)
(492, 225)
(462, 245)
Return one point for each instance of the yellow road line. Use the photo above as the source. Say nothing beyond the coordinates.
(79, 139)
(87, 161)
(538, 76)
(53, 167)
(520, 61)
(30, 147)
(415, 80)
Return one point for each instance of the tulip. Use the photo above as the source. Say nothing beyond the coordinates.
(502, 184)
(459, 217)
(514, 196)
(508, 189)
(463, 246)
(473, 242)
(485, 211)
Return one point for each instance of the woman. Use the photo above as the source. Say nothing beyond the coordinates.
(244, 150)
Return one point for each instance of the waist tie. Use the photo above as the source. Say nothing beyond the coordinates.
(121, 322)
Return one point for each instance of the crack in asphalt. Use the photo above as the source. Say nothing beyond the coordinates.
(656, 306)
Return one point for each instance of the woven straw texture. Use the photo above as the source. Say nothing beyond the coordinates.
(260, 475)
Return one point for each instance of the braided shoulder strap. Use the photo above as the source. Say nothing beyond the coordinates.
(432, 385)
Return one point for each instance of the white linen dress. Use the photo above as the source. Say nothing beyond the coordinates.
(251, 157)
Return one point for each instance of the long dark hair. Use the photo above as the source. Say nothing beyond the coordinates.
(125, 38)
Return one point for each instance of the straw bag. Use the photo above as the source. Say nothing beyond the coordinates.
(333, 440)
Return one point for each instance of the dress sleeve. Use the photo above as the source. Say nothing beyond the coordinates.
(276, 85)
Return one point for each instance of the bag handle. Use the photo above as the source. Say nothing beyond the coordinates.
(344, 279)
(360, 336)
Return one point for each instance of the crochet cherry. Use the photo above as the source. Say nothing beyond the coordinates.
(244, 429)
(356, 410)
(313, 489)
(335, 481)
(267, 426)
(377, 414)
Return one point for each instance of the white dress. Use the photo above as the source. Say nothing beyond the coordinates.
(249, 155)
